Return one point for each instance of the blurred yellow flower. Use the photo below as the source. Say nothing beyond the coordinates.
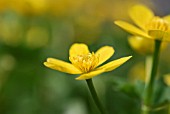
(11, 30)
(143, 45)
(86, 63)
(37, 37)
(166, 79)
(150, 26)
(138, 72)
(29, 7)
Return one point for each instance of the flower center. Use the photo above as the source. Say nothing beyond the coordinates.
(86, 62)
(158, 23)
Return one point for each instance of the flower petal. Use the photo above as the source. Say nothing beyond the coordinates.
(156, 34)
(114, 64)
(167, 36)
(78, 49)
(141, 15)
(90, 74)
(167, 18)
(61, 66)
(141, 45)
(132, 29)
(104, 53)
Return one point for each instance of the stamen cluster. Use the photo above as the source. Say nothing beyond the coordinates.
(86, 62)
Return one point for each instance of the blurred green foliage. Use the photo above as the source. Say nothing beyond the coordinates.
(32, 30)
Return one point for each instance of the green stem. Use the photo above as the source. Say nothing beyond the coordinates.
(150, 84)
(94, 95)
(148, 66)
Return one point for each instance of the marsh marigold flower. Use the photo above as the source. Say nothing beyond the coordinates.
(149, 25)
(85, 63)
(143, 45)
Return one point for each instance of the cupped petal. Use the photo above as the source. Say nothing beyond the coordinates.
(157, 34)
(78, 49)
(132, 29)
(90, 74)
(114, 64)
(104, 53)
(167, 36)
(61, 66)
(167, 18)
(141, 45)
(141, 15)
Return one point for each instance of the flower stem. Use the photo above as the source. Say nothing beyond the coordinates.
(148, 67)
(149, 88)
(94, 95)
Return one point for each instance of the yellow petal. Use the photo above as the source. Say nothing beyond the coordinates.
(90, 74)
(141, 45)
(156, 34)
(141, 15)
(132, 29)
(61, 66)
(78, 49)
(167, 36)
(114, 64)
(104, 54)
(167, 18)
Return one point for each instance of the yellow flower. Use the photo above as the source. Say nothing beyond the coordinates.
(166, 79)
(137, 72)
(143, 45)
(85, 63)
(149, 25)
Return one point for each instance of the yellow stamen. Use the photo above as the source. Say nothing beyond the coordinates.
(85, 62)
